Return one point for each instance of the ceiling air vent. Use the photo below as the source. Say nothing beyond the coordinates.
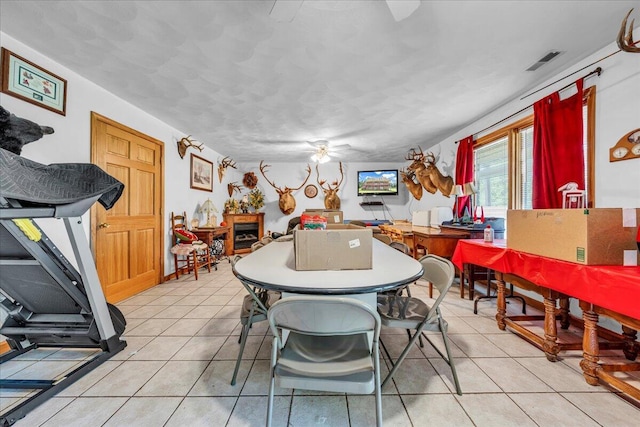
(544, 60)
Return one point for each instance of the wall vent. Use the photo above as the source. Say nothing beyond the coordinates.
(544, 60)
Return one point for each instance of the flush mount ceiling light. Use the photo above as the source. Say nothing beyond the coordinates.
(321, 155)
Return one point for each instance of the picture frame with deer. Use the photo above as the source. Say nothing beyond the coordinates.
(201, 175)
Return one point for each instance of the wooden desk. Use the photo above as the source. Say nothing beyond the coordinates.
(215, 238)
(436, 241)
(399, 233)
(612, 291)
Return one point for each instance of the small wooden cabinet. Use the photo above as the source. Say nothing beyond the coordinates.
(245, 230)
(214, 237)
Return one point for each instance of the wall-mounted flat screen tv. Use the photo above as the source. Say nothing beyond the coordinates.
(378, 183)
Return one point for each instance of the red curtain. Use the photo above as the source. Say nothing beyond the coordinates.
(558, 155)
(464, 171)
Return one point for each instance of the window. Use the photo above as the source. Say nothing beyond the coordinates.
(503, 163)
(491, 175)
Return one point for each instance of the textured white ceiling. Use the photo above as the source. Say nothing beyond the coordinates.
(254, 87)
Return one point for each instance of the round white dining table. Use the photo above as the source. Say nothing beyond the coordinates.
(273, 268)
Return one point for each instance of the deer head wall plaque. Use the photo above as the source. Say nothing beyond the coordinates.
(331, 199)
(286, 201)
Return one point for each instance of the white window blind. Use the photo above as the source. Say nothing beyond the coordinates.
(492, 177)
(526, 167)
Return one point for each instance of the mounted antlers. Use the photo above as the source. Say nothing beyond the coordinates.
(331, 199)
(286, 201)
(425, 169)
(222, 167)
(625, 42)
(444, 183)
(419, 170)
(415, 188)
(233, 187)
(185, 143)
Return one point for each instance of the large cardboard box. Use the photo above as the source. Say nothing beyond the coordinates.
(601, 236)
(333, 216)
(339, 247)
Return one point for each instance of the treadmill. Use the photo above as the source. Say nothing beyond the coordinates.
(44, 300)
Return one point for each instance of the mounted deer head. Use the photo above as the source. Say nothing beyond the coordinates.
(331, 199)
(415, 188)
(419, 169)
(222, 167)
(625, 38)
(232, 187)
(286, 202)
(444, 183)
(185, 143)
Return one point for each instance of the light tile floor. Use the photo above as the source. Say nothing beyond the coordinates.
(183, 340)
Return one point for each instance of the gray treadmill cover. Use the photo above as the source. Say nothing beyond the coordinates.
(55, 184)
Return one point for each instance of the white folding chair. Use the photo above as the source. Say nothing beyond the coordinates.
(328, 347)
(254, 309)
(397, 311)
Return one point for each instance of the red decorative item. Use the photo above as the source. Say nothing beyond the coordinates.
(475, 215)
(223, 224)
(185, 236)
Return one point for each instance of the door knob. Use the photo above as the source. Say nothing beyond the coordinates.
(104, 225)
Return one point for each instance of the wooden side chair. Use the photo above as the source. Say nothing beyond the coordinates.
(188, 250)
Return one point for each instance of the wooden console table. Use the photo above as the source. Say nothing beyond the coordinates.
(214, 237)
(237, 241)
(612, 291)
(438, 241)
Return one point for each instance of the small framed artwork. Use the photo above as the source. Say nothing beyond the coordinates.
(201, 173)
(25, 80)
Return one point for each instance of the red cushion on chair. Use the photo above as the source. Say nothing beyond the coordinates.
(185, 236)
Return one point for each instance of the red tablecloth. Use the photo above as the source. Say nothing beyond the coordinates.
(613, 287)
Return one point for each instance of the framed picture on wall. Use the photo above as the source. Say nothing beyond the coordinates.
(25, 80)
(201, 173)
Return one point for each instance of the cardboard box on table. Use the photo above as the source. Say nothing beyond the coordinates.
(599, 236)
(339, 247)
(333, 216)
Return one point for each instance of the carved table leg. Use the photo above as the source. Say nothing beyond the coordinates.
(590, 348)
(502, 305)
(550, 346)
(564, 312)
(471, 279)
(631, 347)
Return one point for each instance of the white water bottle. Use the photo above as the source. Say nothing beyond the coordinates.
(488, 234)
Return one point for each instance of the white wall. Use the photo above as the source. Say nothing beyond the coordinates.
(71, 141)
(618, 112)
(293, 174)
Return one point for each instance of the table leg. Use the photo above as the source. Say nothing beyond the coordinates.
(550, 346)
(502, 305)
(631, 347)
(564, 313)
(590, 348)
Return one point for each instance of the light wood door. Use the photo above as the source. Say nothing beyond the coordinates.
(127, 239)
